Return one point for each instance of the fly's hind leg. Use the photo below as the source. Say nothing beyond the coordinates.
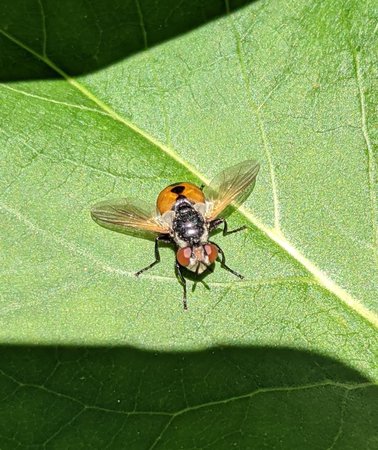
(223, 262)
(215, 224)
(182, 281)
(162, 238)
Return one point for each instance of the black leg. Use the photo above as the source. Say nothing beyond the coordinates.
(202, 186)
(182, 280)
(162, 238)
(215, 224)
(223, 261)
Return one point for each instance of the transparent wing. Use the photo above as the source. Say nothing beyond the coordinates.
(125, 215)
(232, 185)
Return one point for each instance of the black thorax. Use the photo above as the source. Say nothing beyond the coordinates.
(188, 223)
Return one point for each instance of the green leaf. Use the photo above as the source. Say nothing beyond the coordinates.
(101, 101)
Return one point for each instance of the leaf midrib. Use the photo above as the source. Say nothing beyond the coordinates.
(274, 235)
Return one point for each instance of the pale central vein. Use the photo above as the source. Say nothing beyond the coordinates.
(322, 278)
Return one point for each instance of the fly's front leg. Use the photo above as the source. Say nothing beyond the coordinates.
(162, 238)
(215, 224)
(223, 261)
(182, 281)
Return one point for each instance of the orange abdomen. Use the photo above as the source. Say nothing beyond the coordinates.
(168, 196)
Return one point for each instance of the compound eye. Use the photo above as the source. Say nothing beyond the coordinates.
(211, 252)
(183, 256)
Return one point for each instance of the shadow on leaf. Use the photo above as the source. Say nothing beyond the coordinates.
(217, 398)
(81, 37)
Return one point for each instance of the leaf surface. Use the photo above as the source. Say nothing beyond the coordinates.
(289, 85)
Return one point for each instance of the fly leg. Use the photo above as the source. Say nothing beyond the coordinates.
(215, 224)
(223, 261)
(182, 281)
(163, 238)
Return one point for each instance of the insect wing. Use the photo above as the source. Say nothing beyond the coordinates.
(125, 215)
(232, 185)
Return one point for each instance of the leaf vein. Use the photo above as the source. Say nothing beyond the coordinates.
(370, 153)
(50, 100)
(141, 23)
(44, 31)
(256, 111)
